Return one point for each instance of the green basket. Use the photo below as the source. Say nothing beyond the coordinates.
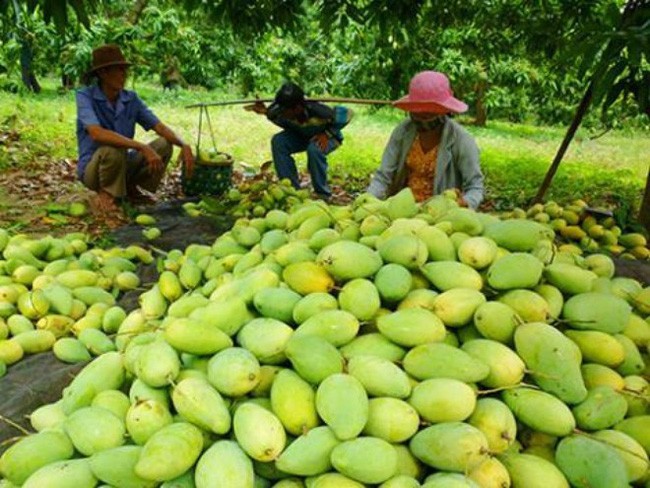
(208, 178)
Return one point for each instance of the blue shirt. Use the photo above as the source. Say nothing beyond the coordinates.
(316, 119)
(93, 108)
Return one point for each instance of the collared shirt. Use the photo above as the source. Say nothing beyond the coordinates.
(457, 165)
(93, 108)
(318, 118)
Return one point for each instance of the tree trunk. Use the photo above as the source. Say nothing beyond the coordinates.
(481, 109)
(28, 76)
(577, 119)
(644, 214)
(136, 11)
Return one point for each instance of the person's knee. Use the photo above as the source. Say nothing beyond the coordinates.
(164, 148)
(279, 142)
(112, 157)
(313, 151)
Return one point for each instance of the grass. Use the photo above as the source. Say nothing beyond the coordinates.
(606, 170)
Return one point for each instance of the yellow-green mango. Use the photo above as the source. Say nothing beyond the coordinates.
(35, 341)
(77, 278)
(229, 315)
(146, 417)
(31, 453)
(185, 305)
(496, 421)
(602, 408)
(393, 282)
(359, 297)
(601, 264)
(309, 454)
(313, 357)
(633, 362)
(636, 391)
(170, 452)
(569, 279)
(554, 360)
(597, 311)
(294, 402)
(439, 360)
(373, 225)
(391, 419)
(112, 319)
(48, 416)
(259, 432)
(266, 339)
(114, 401)
(516, 270)
(463, 220)
(411, 327)
(418, 298)
(631, 240)
(365, 459)
(347, 260)
(335, 326)
(199, 403)
(140, 391)
(312, 225)
(342, 403)
(373, 344)
(93, 429)
(597, 374)
(60, 298)
(247, 262)
(96, 341)
(441, 480)
(195, 337)
(404, 249)
(35, 304)
(407, 463)
(224, 464)
(632, 453)
(313, 304)
(496, 321)
(446, 275)
(18, 324)
(234, 371)
(641, 301)
(540, 411)
(450, 446)
(157, 364)
(116, 467)
(334, 480)
(506, 367)
(272, 240)
(245, 235)
(70, 350)
(401, 481)
(477, 252)
(491, 473)
(598, 347)
(153, 303)
(276, 219)
(308, 277)
(170, 286)
(438, 244)
(93, 294)
(553, 297)
(61, 474)
(456, 307)
(276, 303)
(401, 205)
(638, 330)
(379, 377)
(322, 238)
(533, 471)
(527, 304)
(637, 427)
(588, 462)
(443, 400)
(294, 252)
(518, 235)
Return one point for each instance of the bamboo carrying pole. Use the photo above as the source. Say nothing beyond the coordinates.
(267, 100)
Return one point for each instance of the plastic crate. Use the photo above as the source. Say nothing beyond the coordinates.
(208, 178)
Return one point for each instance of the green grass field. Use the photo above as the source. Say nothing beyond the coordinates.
(610, 169)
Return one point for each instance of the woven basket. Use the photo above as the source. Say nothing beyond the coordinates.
(208, 178)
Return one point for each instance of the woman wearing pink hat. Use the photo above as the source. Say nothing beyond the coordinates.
(429, 152)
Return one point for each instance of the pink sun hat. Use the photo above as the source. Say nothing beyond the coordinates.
(429, 91)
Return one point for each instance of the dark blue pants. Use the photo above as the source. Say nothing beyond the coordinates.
(286, 143)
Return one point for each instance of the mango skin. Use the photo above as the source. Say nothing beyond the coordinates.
(116, 467)
(597, 311)
(61, 474)
(540, 411)
(602, 409)
(365, 459)
(224, 464)
(342, 403)
(309, 454)
(531, 471)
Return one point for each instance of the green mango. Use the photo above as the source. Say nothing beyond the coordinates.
(342, 403)
(195, 337)
(48, 416)
(638, 330)
(569, 279)
(597, 374)
(602, 408)
(266, 338)
(338, 327)
(446, 275)
(553, 297)
(198, 402)
(294, 402)
(404, 249)
(401, 481)
(224, 464)
(61, 474)
(309, 454)
(335, 480)
(496, 321)
(442, 480)
(633, 362)
(234, 371)
(516, 270)
(418, 298)
(411, 327)
(527, 304)
(313, 358)
(391, 419)
(477, 252)
(96, 341)
(598, 347)
(379, 376)
(450, 446)
(554, 360)
(456, 307)
(401, 205)
(313, 304)
(228, 316)
(518, 235)
(443, 400)
(438, 244)
(114, 401)
(359, 297)
(373, 344)
(347, 260)
(322, 238)
(636, 390)
(157, 364)
(308, 277)
(365, 459)
(439, 360)
(506, 367)
(630, 451)
(496, 421)
(117, 467)
(393, 282)
(146, 417)
(589, 463)
(638, 428)
(597, 311)
(276, 303)
(463, 220)
(533, 471)
(93, 429)
(259, 432)
(540, 411)
(490, 472)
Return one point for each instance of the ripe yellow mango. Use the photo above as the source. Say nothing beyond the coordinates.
(411, 327)
(443, 400)
(450, 446)
(309, 454)
(224, 464)
(342, 403)
(259, 432)
(294, 402)
(446, 275)
(439, 360)
(540, 411)
(308, 277)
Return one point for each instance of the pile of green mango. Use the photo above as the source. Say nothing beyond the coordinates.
(58, 294)
(585, 232)
(382, 343)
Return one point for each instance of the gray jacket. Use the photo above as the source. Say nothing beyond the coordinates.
(457, 165)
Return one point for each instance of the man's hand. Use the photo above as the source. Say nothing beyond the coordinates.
(187, 158)
(257, 107)
(153, 159)
(321, 140)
